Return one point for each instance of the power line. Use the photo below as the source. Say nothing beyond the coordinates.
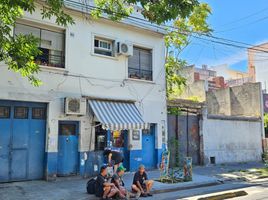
(246, 17)
(133, 18)
(243, 25)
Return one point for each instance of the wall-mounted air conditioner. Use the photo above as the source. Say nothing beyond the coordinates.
(125, 49)
(75, 106)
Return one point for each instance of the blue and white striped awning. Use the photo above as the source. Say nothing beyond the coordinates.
(115, 115)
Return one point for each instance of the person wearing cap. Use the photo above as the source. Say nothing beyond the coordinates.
(103, 188)
(115, 158)
(141, 183)
(117, 179)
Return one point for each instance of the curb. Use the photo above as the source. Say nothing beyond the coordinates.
(228, 195)
(179, 188)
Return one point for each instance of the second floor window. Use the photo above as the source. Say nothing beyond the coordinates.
(140, 64)
(103, 47)
(51, 43)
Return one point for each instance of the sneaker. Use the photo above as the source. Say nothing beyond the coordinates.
(144, 195)
(149, 195)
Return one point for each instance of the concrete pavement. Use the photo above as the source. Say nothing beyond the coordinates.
(75, 187)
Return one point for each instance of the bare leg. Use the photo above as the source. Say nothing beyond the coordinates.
(136, 190)
(106, 191)
(113, 192)
(149, 185)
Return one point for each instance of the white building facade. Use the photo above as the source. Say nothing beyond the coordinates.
(54, 130)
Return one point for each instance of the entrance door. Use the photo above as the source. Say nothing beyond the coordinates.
(68, 159)
(22, 140)
(148, 148)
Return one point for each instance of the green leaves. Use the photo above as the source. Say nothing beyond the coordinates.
(177, 39)
(55, 8)
(156, 11)
(116, 9)
(19, 52)
(175, 82)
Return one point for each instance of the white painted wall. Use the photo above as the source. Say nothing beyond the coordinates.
(103, 77)
(234, 141)
(261, 69)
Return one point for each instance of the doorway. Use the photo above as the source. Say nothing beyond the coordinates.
(68, 156)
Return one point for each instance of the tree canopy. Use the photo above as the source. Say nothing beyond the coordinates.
(185, 17)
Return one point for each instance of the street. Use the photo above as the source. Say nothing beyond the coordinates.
(255, 192)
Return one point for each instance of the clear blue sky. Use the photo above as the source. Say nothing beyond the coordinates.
(240, 20)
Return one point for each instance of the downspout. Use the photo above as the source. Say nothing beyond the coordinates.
(177, 139)
(187, 132)
(262, 119)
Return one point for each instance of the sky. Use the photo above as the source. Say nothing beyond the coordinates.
(240, 20)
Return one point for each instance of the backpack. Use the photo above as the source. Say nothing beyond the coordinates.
(91, 185)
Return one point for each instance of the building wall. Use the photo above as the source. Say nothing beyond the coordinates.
(86, 74)
(244, 100)
(196, 89)
(236, 140)
(257, 65)
(218, 102)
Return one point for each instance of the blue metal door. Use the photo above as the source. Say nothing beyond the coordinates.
(126, 151)
(68, 158)
(22, 140)
(148, 149)
(5, 134)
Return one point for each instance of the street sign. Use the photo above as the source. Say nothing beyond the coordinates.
(265, 103)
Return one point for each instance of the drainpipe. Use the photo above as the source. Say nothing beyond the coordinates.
(187, 132)
(262, 119)
(177, 139)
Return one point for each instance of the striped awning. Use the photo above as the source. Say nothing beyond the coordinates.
(116, 115)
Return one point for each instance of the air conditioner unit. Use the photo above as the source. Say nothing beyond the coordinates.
(124, 49)
(75, 106)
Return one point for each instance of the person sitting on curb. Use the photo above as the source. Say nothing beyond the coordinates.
(141, 183)
(119, 183)
(103, 188)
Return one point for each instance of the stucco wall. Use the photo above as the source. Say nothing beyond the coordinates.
(246, 100)
(195, 89)
(87, 74)
(234, 141)
(219, 102)
(243, 100)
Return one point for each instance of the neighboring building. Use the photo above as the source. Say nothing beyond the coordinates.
(94, 94)
(226, 128)
(257, 64)
(195, 74)
(233, 77)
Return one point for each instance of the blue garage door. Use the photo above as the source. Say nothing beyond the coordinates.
(22, 140)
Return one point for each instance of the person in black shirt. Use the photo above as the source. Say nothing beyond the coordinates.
(103, 188)
(115, 158)
(117, 179)
(141, 183)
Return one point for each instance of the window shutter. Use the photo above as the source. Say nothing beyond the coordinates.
(146, 60)
(134, 61)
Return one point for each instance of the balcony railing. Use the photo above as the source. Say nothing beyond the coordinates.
(140, 74)
(51, 60)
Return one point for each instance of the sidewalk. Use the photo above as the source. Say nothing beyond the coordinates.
(75, 187)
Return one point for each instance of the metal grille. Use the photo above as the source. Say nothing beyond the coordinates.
(140, 64)
(21, 112)
(38, 113)
(4, 112)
